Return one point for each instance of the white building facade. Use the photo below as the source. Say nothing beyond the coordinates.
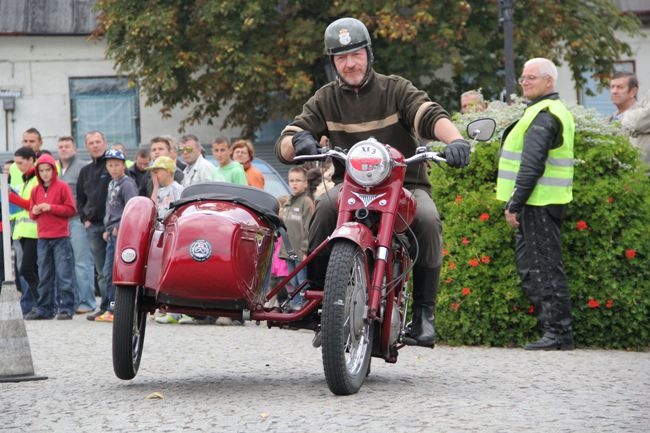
(56, 79)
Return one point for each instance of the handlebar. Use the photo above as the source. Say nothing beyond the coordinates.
(478, 130)
(337, 153)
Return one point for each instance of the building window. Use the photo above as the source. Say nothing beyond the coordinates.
(106, 104)
(600, 101)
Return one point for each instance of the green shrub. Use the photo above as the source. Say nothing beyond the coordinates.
(606, 243)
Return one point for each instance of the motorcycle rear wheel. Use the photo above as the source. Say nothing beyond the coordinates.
(346, 333)
(129, 324)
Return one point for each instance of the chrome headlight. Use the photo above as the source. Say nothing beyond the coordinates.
(368, 162)
(128, 255)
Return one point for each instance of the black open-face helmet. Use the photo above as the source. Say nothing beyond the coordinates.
(346, 35)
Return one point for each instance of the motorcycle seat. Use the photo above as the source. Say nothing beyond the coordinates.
(259, 201)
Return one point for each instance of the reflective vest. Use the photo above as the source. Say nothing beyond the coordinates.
(556, 184)
(25, 227)
(16, 177)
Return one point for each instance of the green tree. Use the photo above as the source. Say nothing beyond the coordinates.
(259, 59)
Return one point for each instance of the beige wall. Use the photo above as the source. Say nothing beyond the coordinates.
(40, 67)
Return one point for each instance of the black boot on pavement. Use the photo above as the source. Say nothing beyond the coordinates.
(425, 291)
(552, 342)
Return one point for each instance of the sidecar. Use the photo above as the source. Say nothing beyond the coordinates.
(209, 256)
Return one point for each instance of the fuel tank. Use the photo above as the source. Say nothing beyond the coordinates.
(211, 254)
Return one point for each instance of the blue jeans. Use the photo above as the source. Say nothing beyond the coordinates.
(98, 249)
(83, 266)
(108, 301)
(55, 268)
(297, 280)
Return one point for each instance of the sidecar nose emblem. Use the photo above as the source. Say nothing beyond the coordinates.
(200, 250)
(128, 255)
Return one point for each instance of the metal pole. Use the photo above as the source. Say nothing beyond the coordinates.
(507, 8)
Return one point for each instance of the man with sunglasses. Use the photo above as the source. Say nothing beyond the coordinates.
(198, 168)
(535, 180)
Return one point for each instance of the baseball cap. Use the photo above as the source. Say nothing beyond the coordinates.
(164, 162)
(114, 154)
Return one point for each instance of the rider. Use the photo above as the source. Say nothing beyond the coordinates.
(359, 104)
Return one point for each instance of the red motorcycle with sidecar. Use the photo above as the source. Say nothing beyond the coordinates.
(211, 255)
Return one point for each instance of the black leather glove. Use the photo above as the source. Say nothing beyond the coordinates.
(304, 143)
(457, 153)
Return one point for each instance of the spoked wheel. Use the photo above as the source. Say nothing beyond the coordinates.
(129, 323)
(347, 335)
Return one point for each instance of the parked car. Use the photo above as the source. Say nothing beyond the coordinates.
(274, 183)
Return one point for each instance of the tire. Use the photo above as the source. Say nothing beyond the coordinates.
(129, 323)
(346, 335)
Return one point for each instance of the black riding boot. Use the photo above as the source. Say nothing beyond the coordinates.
(316, 270)
(425, 290)
(555, 319)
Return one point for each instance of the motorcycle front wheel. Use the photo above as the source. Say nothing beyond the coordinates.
(129, 324)
(346, 332)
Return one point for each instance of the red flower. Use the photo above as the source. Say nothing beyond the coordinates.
(630, 254)
(449, 280)
(592, 303)
(485, 259)
(484, 217)
(581, 225)
(609, 303)
(464, 240)
(610, 199)
(452, 265)
(466, 291)
(459, 198)
(445, 252)
(454, 306)
(473, 263)
(531, 309)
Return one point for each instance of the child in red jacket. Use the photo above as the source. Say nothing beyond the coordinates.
(51, 205)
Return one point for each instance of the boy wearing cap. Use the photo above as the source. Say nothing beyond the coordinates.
(165, 188)
(121, 189)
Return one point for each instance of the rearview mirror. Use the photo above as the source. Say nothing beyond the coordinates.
(481, 129)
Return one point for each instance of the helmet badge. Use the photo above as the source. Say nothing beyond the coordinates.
(344, 37)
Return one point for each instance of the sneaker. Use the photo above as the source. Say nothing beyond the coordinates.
(64, 316)
(106, 317)
(83, 310)
(190, 320)
(168, 318)
(223, 321)
(93, 316)
(227, 321)
(33, 315)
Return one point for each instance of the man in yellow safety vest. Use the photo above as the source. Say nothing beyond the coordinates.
(535, 180)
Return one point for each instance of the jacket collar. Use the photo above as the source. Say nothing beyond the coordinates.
(553, 95)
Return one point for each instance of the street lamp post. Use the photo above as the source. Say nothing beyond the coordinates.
(506, 9)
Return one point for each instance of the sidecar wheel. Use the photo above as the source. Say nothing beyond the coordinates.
(346, 332)
(129, 322)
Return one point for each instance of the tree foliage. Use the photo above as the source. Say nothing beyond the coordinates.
(259, 59)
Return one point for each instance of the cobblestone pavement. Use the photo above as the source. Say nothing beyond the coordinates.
(252, 379)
